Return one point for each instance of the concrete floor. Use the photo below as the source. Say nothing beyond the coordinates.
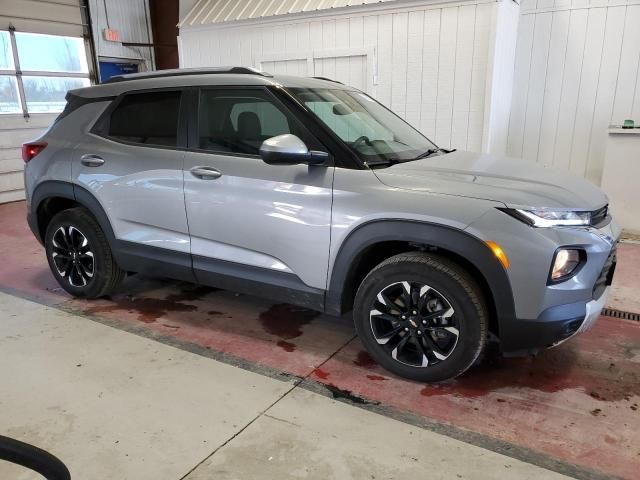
(113, 405)
(573, 409)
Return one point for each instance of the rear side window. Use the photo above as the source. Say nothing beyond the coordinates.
(148, 118)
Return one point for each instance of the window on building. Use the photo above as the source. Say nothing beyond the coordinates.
(150, 118)
(37, 70)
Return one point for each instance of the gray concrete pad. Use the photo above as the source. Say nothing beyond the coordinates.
(308, 436)
(113, 405)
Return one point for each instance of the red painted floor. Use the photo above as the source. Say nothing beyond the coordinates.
(578, 403)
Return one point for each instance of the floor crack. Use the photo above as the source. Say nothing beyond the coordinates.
(297, 382)
(278, 419)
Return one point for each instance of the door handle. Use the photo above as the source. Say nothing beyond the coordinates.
(90, 160)
(206, 173)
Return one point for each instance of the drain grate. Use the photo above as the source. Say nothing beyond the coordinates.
(612, 312)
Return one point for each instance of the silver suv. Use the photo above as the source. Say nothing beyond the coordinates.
(307, 191)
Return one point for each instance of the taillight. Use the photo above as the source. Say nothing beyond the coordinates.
(30, 150)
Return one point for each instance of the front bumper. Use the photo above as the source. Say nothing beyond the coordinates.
(593, 311)
(558, 324)
(546, 313)
(555, 326)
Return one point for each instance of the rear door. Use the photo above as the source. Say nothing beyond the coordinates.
(132, 164)
(248, 219)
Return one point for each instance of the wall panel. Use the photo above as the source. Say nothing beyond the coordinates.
(576, 72)
(428, 62)
(52, 17)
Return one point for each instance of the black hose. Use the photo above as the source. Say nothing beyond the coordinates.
(33, 458)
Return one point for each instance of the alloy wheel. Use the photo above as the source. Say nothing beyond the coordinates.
(414, 323)
(72, 256)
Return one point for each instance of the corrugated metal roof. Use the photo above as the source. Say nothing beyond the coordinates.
(206, 12)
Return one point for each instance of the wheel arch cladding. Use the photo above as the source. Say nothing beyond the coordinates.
(53, 196)
(389, 237)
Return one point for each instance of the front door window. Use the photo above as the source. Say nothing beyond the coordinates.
(238, 121)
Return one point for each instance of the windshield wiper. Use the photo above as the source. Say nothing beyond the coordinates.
(387, 162)
(431, 151)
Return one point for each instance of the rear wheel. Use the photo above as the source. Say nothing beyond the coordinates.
(79, 255)
(421, 317)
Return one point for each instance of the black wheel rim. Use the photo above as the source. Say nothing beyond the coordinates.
(414, 324)
(72, 256)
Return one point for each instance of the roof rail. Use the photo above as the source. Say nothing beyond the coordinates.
(328, 80)
(178, 72)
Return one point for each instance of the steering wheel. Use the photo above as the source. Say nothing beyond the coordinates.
(361, 139)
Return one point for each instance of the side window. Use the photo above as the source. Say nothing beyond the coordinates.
(149, 118)
(238, 121)
(272, 121)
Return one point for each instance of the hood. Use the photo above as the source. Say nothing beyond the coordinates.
(514, 182)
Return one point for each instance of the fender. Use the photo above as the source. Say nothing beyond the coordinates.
(457, 241)
(55, 188)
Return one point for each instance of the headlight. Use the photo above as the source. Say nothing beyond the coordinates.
(550, 218)
(565, 264)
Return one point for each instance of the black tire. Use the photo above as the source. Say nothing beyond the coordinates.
(449, 284)
(88, 271)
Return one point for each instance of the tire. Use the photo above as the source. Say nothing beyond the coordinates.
(79, 255)
(437, 298)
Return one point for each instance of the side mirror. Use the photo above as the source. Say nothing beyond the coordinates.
(288, 149)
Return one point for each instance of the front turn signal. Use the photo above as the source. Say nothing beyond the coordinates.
(499, 253)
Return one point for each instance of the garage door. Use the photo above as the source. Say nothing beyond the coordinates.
(43, 41)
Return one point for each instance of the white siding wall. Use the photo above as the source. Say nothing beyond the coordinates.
(576, 72)
(428, 62)
(500, 86)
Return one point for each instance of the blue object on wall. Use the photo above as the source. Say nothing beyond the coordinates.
(111, 69)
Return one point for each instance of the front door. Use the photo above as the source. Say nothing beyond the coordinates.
(251, 221)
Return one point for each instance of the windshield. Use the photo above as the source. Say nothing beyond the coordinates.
(372, 131)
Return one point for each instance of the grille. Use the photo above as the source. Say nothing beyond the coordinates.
(599, 216)
(606, 275)
(612, 312)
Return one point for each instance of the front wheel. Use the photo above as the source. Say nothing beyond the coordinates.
(421, 317)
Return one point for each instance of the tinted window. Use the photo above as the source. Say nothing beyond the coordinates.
(238, 121)
(149, 118)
